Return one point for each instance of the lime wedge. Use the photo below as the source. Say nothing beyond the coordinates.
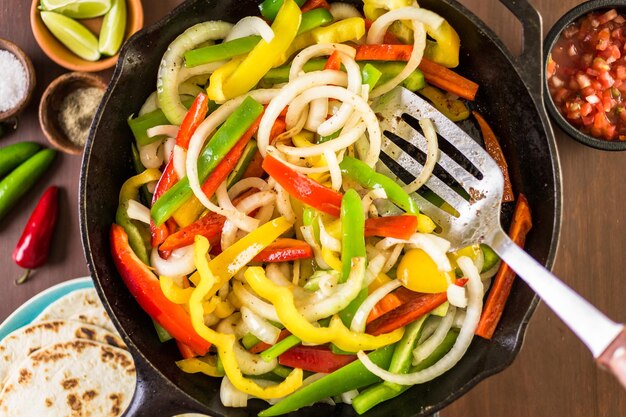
(113, 28)
(77, 9)
(76, 37)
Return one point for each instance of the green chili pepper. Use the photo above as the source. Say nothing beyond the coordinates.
(347, 378)
(371, 75)
(269, 8)
(280, 347)
(367, 177)
(220, 144)
(313, 19)
(13, 155)
(379, 393)
(18, 182)
(353, 246)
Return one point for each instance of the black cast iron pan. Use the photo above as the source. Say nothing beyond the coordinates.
(510, 97)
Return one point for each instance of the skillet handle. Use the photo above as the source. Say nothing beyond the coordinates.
(155, 395)
(531, 59)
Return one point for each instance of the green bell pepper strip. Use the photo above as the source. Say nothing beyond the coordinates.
(140, 124)
(269, 8)
(353, 246)
(314, 19)
(491, 258)
(220, 144)
(348, 378)
(403, 354)
(249, 341)
(162, 334)
(369, 178)
(371, 75)
(137, 238)
(13, 155)
(221, 51)
(248, 155)
(388, 70)
(280, 347)
(23, 178)
(281, 371)
(384, 391)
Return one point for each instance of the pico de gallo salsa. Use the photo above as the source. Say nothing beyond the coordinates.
(586, 73)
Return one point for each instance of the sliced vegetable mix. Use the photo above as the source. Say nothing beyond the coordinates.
(259, 231)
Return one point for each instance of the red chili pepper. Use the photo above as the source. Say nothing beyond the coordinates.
(284, 250)
(314, 359)
(34, 245)
(303, 188)
(400, 227)
(145, 287)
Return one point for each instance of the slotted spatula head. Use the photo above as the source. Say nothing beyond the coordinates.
(466, 177)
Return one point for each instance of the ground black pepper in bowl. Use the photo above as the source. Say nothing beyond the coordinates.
(77, 111)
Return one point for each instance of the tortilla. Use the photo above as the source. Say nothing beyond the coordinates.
(79, 378)
(18, 345)
(81, 305)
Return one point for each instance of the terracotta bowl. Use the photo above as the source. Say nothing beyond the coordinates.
(30, 74)
(57, 52)
(50, 106)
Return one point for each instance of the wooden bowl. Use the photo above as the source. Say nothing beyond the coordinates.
(30, 75)
(57, 52)
(50, 105)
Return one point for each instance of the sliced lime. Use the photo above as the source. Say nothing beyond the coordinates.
(77, 9)
(113, 28)
(76, 37)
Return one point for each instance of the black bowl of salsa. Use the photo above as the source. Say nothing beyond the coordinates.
(585, 82)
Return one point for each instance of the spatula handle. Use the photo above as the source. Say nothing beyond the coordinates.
(614, 358)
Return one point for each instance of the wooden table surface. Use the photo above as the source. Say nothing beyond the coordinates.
(554, 374)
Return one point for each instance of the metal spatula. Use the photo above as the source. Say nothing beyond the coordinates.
(473, 187)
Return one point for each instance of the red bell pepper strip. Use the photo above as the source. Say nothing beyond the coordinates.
(262, 346)
(303, 188)
(278, 128)
(193, 118)
(399, 227)
(435, 74)
(503, 281)
(284, 250)
(334, 62)
(314, 4)
(226, 165)
(493, 148)
(185, 351)
(33, 247)
(145, 287)
(254, 168)
(167, 180)
(314, 359)
(409, 311)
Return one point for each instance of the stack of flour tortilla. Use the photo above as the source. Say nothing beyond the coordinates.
(69, 361)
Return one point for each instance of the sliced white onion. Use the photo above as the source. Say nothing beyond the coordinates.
(309, 237)
(303, 170)
(287, 94)
(179, 263)
(151, 104)
(435, 246)
(283, 203)
(342, 11)
(333, 167)
(457, 296)
(323, 49)
(348, 396)
(151, 186)
(369, 198)
(231, 396)
(260, 327)
(199, 70)
(248, 26)
(374, 268)
(180, 155)
(462, 343)
(432, 155)
(168, 149)
(254, 303)
(246, 184)
(425, 349)
(360, 317)
(251, 363)
(393, 258)
(326, 239)
(233, 324)
(318, 110)
(151, 155)
(229, 235)
(138, 211)
(265, 214)
(328, 284)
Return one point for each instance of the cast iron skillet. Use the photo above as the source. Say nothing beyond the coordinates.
(510, 97)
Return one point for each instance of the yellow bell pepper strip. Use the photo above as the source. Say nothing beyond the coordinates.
(373, 9)
(173, 292)
(215, 90)
(130, 191)
(225, 342)
(445, 48)
(228, 263)
(453, 108)
(144, 286)
(336, 332)
(345, 30)
(265, 54)
(207, 366)
(331, 259)
(188, 212)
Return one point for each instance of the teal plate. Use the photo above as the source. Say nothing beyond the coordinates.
(27, 312)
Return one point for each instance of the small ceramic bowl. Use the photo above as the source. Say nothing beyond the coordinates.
(569, 17)
(57, 52)
(30, 75)
(50, 106)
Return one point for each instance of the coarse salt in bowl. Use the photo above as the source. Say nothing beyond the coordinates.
(17, 79)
